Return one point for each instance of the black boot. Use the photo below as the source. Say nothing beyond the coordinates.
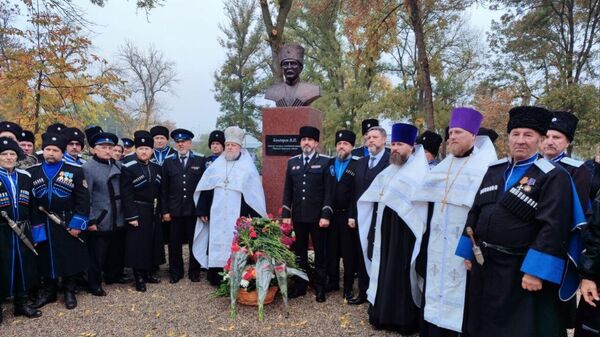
(70, 299)
(140, 282)
(46, 294)
(151, 277)
(22, 308)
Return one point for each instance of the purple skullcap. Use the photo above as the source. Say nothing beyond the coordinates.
(466, 118)
(405, 133)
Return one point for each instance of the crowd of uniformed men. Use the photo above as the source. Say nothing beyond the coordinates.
(464, 245)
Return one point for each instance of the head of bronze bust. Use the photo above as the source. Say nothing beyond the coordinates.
(291, 59)
(292, 91)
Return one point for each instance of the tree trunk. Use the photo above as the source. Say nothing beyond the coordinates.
(275, 33)
(38, 99)
(412, 7)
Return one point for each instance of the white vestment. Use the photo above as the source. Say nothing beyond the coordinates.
(393, 187)
(229, 180)
(446, 276)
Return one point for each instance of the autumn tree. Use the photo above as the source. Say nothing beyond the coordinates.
(547, 51)
(48, 72)
(275, 26)
(242, 76)
(149, 76)
(364, 56)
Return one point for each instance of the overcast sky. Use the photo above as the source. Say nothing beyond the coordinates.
(186, 31)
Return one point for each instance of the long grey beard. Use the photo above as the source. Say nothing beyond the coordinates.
(231, 156)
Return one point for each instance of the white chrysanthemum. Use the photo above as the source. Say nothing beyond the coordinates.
(244, 283)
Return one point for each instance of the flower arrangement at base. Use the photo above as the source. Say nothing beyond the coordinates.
(260, 259)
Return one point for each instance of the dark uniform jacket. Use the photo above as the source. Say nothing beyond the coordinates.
(589, 264)
(10, 245)
(209, 160)
(141, 190)
(307, 191)
(343, 190)
(66, 195)
(179, 184)
(140, 185)
(365, 176)
(581, 177)
(363, 151)
(522, 228)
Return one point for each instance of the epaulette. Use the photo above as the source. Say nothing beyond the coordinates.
(39, 152)
(23, 172)
(129, 163)
(172, 155)
(298, 156)
(544, 165)
(73, 164)
(324, 156)
(355, 157)
(500, 161)
(571, 162)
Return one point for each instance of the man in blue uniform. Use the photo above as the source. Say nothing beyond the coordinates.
(17, 265)
(60, 188)
(521, 219)
(162, 150)
(75, 139)
(341, 238)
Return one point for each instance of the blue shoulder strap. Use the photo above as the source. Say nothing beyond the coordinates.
(570, 281)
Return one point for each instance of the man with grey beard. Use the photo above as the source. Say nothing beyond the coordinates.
(307, 202)
(367, 168)
(229, 188)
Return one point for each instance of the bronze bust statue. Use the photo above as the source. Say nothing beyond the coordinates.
(292, 92)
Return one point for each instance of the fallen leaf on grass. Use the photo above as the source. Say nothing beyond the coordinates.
(299, 324)
(344, 321)
(230, 328)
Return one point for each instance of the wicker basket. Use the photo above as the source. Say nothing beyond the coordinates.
(251, 297)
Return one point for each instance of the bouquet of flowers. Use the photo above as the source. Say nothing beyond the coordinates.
(260, 258)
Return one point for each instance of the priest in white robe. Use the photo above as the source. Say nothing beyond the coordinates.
(448, 191)
(230, 187)
(392, 292)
